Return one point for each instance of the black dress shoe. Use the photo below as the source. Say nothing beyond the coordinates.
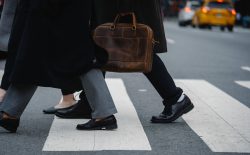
(178, 109)
(108, 123)
(9, 124)
(80, 110)
(53, 110)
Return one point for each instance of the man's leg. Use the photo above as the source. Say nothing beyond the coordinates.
(176, 104)
(16, 99)
(98, 95)
(13, 105)
(163, 82)
(100, 101)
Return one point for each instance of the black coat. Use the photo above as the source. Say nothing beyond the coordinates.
(50, 43)
(147, 12)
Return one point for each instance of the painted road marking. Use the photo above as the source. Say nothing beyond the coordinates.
(221, 121)
(170, 41)
(130, 134)
(244, 83)
(246, 68)
(142, 90)
(1, 73)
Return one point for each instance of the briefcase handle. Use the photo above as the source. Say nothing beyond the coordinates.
(118, 16)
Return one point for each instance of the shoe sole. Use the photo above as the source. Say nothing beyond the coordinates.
(10, 129)
(107, 127)
(184, 111)
(75, 117)
(49, 113)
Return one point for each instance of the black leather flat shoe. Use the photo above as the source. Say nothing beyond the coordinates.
(53, 110)
(80, 110)
(9, 124)
(178, 109)
(108, 123)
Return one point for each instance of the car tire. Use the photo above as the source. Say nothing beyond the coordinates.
(222, 28)
(202, 26)
(230, 28)
(182, 24)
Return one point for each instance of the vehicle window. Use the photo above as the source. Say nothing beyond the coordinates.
(219, 5)
(195, 6)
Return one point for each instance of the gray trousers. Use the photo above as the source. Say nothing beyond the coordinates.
(100, 100)
(6, 22)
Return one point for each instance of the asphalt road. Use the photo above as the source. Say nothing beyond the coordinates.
(218, 58)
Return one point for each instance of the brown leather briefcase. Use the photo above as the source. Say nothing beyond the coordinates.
(129, 45)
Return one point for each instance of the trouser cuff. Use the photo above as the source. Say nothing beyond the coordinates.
(104, 114)
(174, 98)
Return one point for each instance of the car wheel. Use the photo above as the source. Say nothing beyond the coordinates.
(209, 27)
(182, 24)
(230, 28)
(222, 28)
(202, 26)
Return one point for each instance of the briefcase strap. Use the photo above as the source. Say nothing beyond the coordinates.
(117, 20)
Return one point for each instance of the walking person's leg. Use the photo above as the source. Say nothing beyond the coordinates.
(5, 83)
(13, 105)
(175, 102)
(67, 102)
(80, 110)
(100, 102)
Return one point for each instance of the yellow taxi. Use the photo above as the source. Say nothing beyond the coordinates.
(215, 13)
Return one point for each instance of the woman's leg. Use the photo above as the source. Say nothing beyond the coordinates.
(5, 83)
(80, 110)
(67, 100)
(2, 94)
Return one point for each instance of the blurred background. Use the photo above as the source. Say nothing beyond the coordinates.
(186, 9)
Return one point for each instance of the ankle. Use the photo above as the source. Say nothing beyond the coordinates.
(2, 94)
(65, 103)
(102, 118)
(7, 116)
(181, 98)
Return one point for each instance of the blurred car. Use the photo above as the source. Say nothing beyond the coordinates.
(186, 14)
(246, 21)
(215, 13)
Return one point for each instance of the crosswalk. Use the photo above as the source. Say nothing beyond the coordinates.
(245, 84)
(129, 136)
(222, 122)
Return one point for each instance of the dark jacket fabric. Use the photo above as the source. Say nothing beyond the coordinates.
(6, 20)
(50, 44)
(147, 12)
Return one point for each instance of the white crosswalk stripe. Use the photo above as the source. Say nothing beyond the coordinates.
(221, 121)
(170, 41)
(244, 84)
(130, 134)
(1, 74)
(246, 68)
